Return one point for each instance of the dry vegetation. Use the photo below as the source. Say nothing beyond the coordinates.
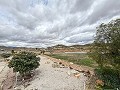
(76, 58)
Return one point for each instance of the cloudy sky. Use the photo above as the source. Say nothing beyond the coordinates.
(42, 23)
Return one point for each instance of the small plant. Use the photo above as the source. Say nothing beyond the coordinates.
(12, 51)
(5, 55)
(109, 76)
(24, 63)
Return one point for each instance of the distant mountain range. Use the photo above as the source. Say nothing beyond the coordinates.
(56, 48)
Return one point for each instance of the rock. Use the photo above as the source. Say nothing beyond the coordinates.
(69, 73)
(87, 73)
(77, 75)
(72, 72)
(60, 62)
(81, 71)
(16, 88)
(70, 67)
(71, 62)
(62, 66)
(99, 82)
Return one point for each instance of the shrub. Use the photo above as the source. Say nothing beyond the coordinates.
(5, 55)
(24, 63)
(106, 51)
(12, 51)
(109, 76)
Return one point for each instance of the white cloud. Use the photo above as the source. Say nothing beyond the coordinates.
(41, 23)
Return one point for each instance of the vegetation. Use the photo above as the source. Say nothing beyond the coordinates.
(42, 51)
(5, 55)
(106, 52)
(13, 52)
(77, 58)
(24, 63)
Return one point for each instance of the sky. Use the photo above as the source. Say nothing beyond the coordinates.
(43, 23)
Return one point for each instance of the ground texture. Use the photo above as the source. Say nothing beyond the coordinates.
(53, 76)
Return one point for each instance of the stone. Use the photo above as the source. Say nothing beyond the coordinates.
(71, 62)
(69, 73)
(77, 75)
(60, 62)
(99, 82)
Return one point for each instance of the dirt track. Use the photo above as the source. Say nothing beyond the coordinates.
(54, 77)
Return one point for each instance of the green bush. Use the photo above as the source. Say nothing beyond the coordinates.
(12, 51)
(5, 55)
(106, 52)
(109, 76)
(24, 63)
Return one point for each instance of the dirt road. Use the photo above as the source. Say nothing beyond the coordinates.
(3, 72)
(51, 76)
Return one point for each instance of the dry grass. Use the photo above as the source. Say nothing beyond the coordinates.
(77, 58)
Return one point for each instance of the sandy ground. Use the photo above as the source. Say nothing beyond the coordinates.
(50, 77)
(6, 76)
(3, 72)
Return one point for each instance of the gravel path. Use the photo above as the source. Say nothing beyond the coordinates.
(51, 76)
(3, 72)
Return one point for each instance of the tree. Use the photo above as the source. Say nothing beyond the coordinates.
(24, 63)
(107, 44)
(106, 48)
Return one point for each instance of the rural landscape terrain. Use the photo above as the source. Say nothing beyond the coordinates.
(61, 68)
(59, 44)
(53, 73)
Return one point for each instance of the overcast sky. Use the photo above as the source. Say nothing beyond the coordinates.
(42, 23)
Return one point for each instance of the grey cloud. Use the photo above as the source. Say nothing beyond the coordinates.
(84, 37)
(39, 23)
(82, 5)
(104, 10)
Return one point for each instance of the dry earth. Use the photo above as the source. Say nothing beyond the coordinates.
(6, 76)
(49, 76)
(4, 70)
(52, 76)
